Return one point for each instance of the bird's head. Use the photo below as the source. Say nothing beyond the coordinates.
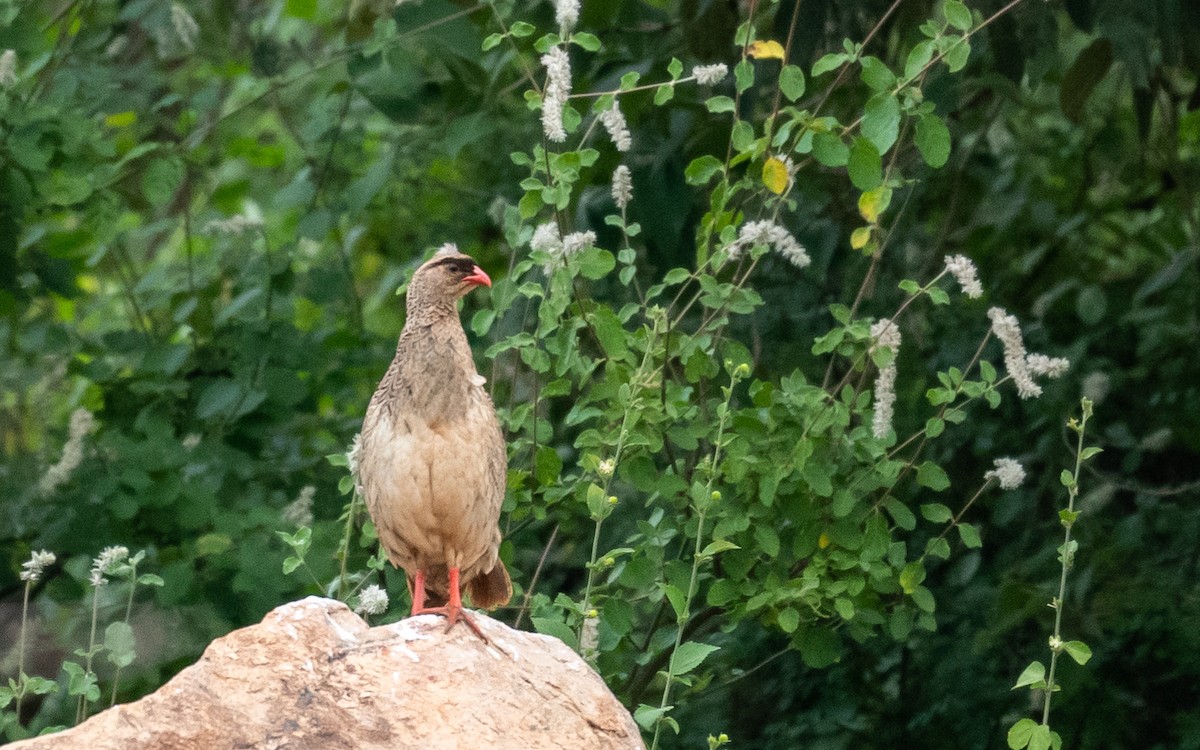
(447, 276)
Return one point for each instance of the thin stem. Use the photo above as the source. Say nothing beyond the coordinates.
(707, 502)
(21, 646)
(533, 581)
(1067, 559)
(82, 710)
(128, 612)
(344, 552)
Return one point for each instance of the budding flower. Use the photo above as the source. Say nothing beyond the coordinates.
(1008, 472)
(715, 496)
(606, 468)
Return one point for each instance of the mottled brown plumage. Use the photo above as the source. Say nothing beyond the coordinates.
(432, 464)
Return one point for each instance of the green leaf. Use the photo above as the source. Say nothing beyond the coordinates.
(648, 716)
(702, 169)
(677, 599)
(1089, 452)
(589, 42)
(743, 75)
(933, 140)
(1033, 675)
(1020, 733)
(596, 263)
(932, 476)
(556, 628)
(1079, 651)
(81, 682)
(828, 149)
(521, 29)
(791, 82)
(689, 655)
(844, 607)
(831, 61)
(788, 620)
(149, 579)
(119, 644)
(491, 41)
(918, 57)
(957, 14)
(864, 164)
(911, 577)
(664, 94)
(957, 56)
(900, 513)
(162, 179)
(936, 513)
(934, 427)
(969, 535)
(881, 120)
(720, 545)
(876, 74)
(305, 9)
(718, 104)
(675, 68)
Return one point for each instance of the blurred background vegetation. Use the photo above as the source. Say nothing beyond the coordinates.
(206, 209)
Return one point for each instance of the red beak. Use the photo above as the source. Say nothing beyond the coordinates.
(478, 277)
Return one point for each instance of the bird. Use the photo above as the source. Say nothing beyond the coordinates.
(432, 462)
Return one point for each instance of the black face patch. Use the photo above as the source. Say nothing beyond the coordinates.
(461, 266)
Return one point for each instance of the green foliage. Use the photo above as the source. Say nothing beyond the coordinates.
(209, 269)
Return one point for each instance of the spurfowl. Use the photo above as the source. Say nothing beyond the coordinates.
(432, 463)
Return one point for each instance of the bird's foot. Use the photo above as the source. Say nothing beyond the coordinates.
(454, 613)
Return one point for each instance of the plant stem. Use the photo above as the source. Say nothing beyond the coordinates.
(82, 708)
(21, 647)
(1067, 559)
(692, 581)
(128, 612)
(344, 552)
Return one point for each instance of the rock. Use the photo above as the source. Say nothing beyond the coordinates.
(312, 674)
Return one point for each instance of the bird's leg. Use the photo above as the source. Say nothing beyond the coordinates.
(453, 611)
(418, 592)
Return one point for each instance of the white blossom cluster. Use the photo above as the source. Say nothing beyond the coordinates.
(887, 336)
(37, 563)
(8, 68)
(1008, 473)
(238, 224)
(566, 13)
(963, 270)
(622, 186)
(299, 511)
(72, 454)
(372, 600)
(547, 238)
(613, 120)
(710, 75)
(558, 88)
(769, 233)
(103, 564)
(1022, 367)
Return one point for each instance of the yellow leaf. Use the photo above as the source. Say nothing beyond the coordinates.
(765, 49)
(775, 175)
(823, 540)
(121, 119)
(860, 237)
(874, 202)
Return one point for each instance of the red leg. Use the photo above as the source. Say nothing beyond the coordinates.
(418, 592)
(453, 611)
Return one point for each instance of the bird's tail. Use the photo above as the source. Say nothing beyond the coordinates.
(490, 590)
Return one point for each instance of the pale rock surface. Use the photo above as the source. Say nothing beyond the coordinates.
(313, 675)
